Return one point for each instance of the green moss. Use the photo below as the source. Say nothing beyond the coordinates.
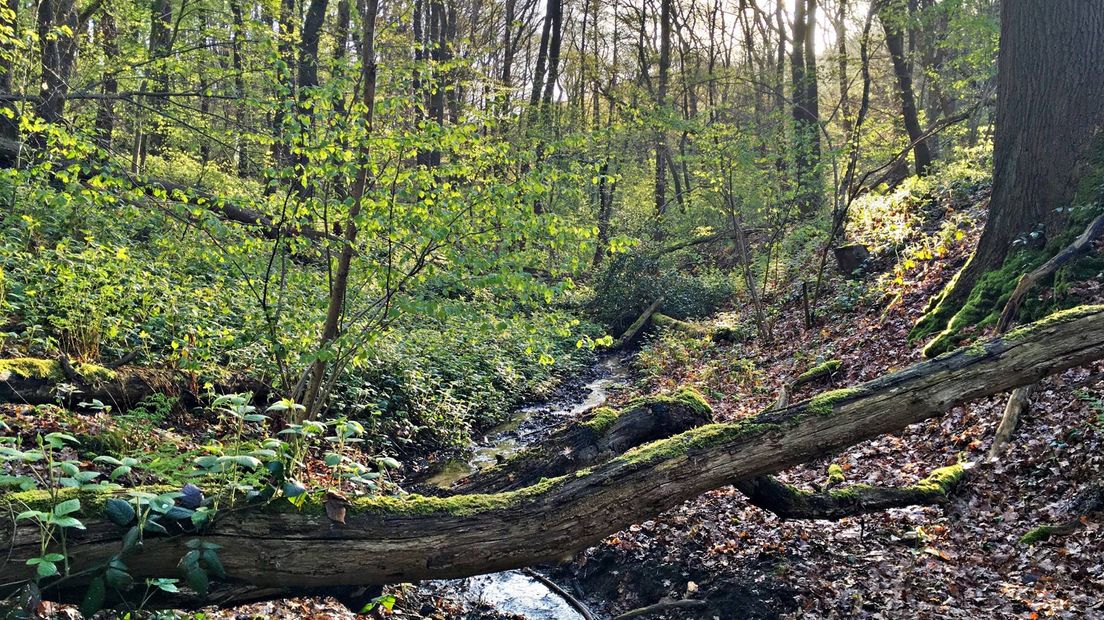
(92, 500)
(942, 480)
(835, 474)
(30, 368)
(95, 372)
(1038, 535)
(37, 368)
(696, 438)
(822, 369)
(825, 403)
(1056, 318)
(994, 288)
(851, 493)
(601, 420)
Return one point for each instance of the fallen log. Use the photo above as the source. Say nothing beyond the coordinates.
(789, 502)
(634, 331)
(397, 539)
(607, 433)
(604, 434)
(717, 334)
(36, 381)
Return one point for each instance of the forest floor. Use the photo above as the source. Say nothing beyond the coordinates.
(963, 559)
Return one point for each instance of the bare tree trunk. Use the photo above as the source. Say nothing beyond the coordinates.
(59, 52)
(105, 108)
(892, 14)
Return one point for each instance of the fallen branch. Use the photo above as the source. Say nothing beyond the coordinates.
(789, 502)
(397, 539)
(1089, 502)
(637, 328)
(661, 606)
(1081, 245)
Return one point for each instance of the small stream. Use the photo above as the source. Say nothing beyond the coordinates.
(514, 592)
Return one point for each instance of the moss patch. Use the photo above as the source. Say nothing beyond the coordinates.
(825, 404)
(1038, 535)
(601, 420)
(994, 288)
(835, 474)
(37, 368)
(942, 480)
(30, 368)
(696, 438)
(820, 370)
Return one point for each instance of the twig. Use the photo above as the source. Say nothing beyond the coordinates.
(552, 585)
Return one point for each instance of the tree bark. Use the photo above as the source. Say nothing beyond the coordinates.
(105, 108)
(388, 540)
(1049, 119)
(59, 52)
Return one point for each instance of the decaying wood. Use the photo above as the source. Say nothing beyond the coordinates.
(789, 502)
(392, 540)
(1017, 404)
(121, 388)
(661, 606)
(601, 436)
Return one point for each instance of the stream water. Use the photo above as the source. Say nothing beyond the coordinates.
(514, 592)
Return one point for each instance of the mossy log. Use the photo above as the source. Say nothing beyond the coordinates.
(388, 540)
(604, 434)
(36, 381)
(717, 334)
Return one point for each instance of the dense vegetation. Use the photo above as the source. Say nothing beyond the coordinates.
(264, 251)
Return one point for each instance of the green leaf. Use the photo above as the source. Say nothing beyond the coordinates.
(118, 511)
(46, 569)
(197, 579)
(68, 522)
(118, 578)
(67, 507)
(332, 459)
(132, 539)
(93, 598)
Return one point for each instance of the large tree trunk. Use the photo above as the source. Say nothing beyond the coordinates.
(387, 540)
(1049, 118)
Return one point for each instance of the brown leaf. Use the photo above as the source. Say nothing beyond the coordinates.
(336, 504)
